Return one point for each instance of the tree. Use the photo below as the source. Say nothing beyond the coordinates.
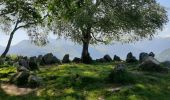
(94, 21)
(18, 14)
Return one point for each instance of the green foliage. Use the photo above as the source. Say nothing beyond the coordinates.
(106, 20)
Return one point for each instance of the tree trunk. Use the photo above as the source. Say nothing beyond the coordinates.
(85, 57)
(8, 45)
(85, 54)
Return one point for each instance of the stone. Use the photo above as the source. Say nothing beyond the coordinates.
(107, 58)
(21, 78)
(116, 58)
(56, 60)
(152, 54)
(142, 56)
(33, 63)
(48, 58)
(24, 63)
(22, 68)
(66, 59)
(120, 67)
(151, 64)
(40, 60)
(130, 58)
(34, 81)
(77, 60)
(101, 60)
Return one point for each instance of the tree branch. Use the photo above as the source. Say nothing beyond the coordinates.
(99, 40)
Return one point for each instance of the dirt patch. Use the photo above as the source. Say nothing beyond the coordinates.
(14, 90)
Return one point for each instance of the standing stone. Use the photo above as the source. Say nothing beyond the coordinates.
(116, 58)
(152, 54)
(24, 63)
(33, 63)
(55, 60)
(130, 58)
(66, 59)
(150, 64)
(34, 81)
(101, 60)
(21, 78)
(77, 60)
(48, 58)
(143, 56)
(107, 58)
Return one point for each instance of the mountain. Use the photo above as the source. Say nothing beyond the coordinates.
(164, 56)
(61, 47)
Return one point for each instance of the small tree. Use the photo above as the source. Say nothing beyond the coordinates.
(94, 21)
(18, 14)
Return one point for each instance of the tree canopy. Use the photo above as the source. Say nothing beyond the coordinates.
(17, 14)
(94, 21)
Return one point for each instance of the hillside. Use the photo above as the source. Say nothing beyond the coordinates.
(61, 83)
(165, 55)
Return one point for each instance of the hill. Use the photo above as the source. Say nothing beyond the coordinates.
(61, 47)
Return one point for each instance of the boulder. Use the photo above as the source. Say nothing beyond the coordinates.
(107, 58)
(77, 60)
(25, 63)
(40, 60)
(120, 75)
(130, 58)
(56, 60)
(48, 58)
(152, 54)
(33, 63)
(120, 67)
(66, 59)
(34, 81)
(116, 58)
(151, 64)
(142, 56)
(20, 78)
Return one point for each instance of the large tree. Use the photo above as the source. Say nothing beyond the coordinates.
(19, 14)
(94, 21)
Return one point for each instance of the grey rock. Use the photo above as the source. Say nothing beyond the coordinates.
(142, 56)
(77, 60)
(66, 59)
(130, 58)
(34, 81)
(116, 58)
(107, 58)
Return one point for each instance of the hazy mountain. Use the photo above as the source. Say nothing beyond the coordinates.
(164, 56)
(61, 47)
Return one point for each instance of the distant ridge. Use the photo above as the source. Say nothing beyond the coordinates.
(61, 47)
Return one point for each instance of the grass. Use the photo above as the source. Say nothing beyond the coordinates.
(89, 82)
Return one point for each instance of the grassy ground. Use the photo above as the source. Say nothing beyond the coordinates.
(89, 82)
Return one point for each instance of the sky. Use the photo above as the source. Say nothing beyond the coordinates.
(21, 34)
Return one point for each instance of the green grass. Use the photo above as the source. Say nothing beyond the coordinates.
(89, 82)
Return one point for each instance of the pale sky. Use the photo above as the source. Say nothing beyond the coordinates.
(21, 34)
